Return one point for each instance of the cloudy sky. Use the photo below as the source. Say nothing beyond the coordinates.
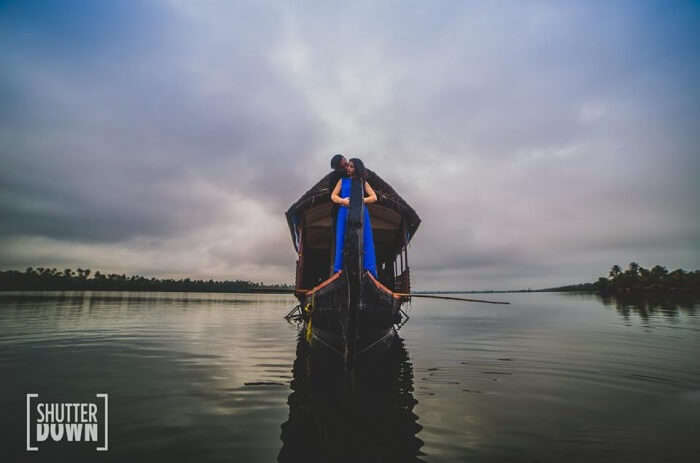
(540, 142)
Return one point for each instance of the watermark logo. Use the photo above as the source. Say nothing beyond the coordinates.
(67, 422)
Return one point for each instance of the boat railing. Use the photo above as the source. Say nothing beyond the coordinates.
(402, 282)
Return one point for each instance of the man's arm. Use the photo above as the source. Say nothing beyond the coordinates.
(335, 195)
(332, 180)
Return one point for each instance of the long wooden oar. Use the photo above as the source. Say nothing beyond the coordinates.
(451, 298)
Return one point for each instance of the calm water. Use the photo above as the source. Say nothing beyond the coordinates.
(222, 377)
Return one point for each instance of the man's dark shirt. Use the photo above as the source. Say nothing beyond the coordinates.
(332, 182)
(333, 179)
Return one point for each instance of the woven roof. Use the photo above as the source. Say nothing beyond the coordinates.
(386, 196)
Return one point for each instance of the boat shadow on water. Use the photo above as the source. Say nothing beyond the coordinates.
(366, 415)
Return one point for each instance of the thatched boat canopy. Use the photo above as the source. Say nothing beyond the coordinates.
(389, 215)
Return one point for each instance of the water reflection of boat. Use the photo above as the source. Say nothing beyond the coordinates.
(369, 418)
(351, 311)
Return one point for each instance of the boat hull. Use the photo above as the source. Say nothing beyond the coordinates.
(332, 323)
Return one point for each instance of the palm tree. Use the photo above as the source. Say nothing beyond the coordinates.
(659, 271)
(615, 271)
(644, 273)
(633, 268)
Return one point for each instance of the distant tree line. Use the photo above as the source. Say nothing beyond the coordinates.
(51, 279)
(637, 279)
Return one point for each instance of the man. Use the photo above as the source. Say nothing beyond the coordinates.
(338, 164)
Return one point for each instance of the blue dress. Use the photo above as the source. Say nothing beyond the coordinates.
(369, 260)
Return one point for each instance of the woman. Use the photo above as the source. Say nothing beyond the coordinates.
(341, 196)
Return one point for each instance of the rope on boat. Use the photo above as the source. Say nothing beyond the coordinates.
(309, 309)
(403, 321)
(294, 314)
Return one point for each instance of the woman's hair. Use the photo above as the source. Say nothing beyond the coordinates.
(360, 171)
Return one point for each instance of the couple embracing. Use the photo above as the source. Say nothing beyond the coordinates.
(340, 182)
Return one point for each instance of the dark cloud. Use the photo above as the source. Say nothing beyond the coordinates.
(539, 142)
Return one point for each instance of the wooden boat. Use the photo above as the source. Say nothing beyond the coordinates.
(351, 312)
